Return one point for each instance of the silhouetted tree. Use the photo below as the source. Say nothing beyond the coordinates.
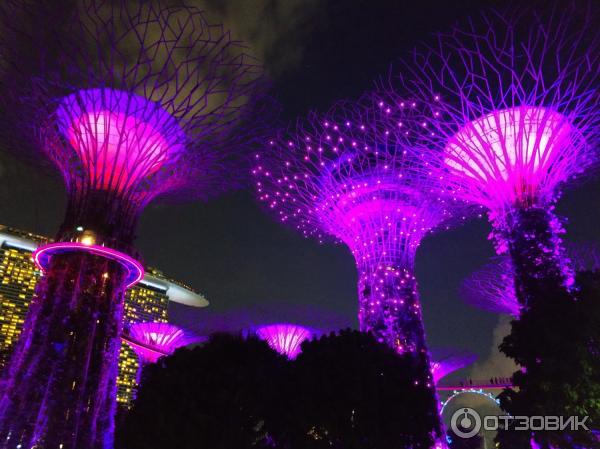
(215, 396)
(557, 342)
(345, 391)
(349, 391)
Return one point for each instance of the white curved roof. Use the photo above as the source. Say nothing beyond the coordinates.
(176, 292)
(17, 242)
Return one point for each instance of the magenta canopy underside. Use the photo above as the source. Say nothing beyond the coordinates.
(120, 138)
(513, 154)
(151, 341)
(448, 365)
(286, 339)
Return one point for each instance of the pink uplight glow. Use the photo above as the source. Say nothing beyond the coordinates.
(286, 339)
(514, 155)
(120, 138)
(517, 112)
(134, 269)
(151, 341)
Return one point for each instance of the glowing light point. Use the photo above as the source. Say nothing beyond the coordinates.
(286, 339)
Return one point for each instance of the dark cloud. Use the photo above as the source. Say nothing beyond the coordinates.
(274, 31)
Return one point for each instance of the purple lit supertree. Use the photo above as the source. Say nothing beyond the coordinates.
(284, 338)
(515, 98)
(352, 174)
(584, 256)
(151, 341)
(130, 101)
(492, 287)
(447, 361)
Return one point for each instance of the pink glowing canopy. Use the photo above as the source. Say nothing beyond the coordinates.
(514, 155)
(119, 137)
(516, 100)
(151, 341)
(445, 362)
(284, 338)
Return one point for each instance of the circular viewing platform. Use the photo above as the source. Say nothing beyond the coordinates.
(134, 269)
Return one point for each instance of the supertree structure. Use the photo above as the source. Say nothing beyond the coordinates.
(515, 98)
(285, 338)
(446, 361)
(130, 101)
(492, 287)
(151, 341)
(584, 256)
(351, 174)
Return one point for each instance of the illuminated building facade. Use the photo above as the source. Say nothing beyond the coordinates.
(147, 301)
(18, 278)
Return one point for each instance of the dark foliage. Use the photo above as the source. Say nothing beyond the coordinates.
(557, 342)
(344, 391)
(213, 396)
(350, 392)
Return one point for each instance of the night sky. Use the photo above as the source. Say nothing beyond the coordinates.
(251, 268)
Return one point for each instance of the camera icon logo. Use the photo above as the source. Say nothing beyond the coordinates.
(465, 423)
